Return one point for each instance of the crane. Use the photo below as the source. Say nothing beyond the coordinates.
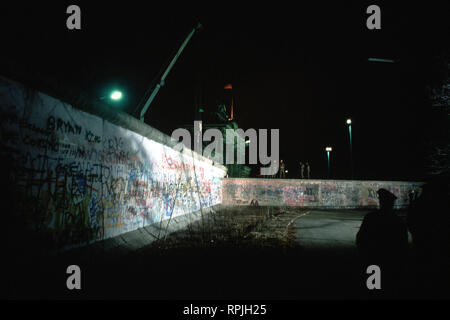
(166, 72)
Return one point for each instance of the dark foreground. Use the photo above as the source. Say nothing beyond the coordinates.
(289, 255)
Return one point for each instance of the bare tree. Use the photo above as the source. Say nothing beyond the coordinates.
(438, 148)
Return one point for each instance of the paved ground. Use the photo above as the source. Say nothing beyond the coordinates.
(328, 229)
(326, 266)
(293, 254)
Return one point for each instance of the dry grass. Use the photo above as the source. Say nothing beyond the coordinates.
(235, 228)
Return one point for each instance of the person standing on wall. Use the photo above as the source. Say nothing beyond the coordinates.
(302, 170)
(308, 171)
(282, 170)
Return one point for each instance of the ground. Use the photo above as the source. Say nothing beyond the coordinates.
(247, 253)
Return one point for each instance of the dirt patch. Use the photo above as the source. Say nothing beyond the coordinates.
(238, 228)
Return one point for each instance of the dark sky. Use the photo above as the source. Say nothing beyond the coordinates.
(301, 68)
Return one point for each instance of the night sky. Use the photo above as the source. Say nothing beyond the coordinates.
(296, 67)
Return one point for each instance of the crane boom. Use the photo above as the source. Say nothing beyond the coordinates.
(164, 76)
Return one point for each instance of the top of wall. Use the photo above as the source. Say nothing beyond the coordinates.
(122, 119)
(323, 180)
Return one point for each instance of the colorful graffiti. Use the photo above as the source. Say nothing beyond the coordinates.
(312, 193)
(83, 179)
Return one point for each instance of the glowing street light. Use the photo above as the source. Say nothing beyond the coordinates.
(349, 123)
(116, 95)
(328, 150)
(380, 60)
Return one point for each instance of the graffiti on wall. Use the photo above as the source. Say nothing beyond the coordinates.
(83, 179)
(312, 193)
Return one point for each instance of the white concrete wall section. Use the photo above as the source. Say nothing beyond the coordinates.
(83, 179)
(313, 193)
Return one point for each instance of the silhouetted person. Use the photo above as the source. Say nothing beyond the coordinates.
(302, 170)
(308, 171)
(429, 223)
(382, 240)
(282, 170)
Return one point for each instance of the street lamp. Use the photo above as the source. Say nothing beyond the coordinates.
(116, 95)
(328, 150)
(380, 60)
(349, 123)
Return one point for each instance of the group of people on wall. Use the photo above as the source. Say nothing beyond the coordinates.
(305, 170)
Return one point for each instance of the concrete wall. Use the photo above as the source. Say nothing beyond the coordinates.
(81, 178)
(312, 193)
